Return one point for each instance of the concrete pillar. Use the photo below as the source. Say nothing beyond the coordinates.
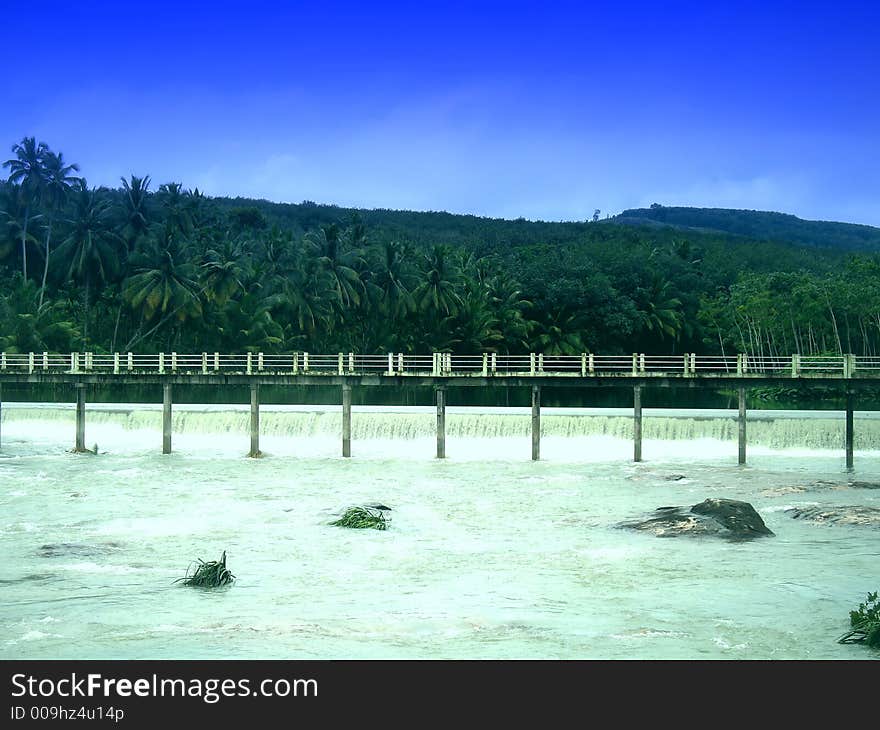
(850, 431)
(441, 423)
(80, 418)
(637, 423)
(742, 424)
(255, 421)
(166, 418)
(346, 420)
(536, 423)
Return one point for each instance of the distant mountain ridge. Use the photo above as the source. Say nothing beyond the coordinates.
(758, 225)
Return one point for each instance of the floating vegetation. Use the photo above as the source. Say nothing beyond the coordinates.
(208, 575)
(363, 517)
(865, 624)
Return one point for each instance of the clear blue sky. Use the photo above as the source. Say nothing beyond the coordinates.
(544, 110)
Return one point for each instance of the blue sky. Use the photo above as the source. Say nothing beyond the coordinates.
(546, 110)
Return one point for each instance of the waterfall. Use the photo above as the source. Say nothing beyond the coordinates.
(772, 429)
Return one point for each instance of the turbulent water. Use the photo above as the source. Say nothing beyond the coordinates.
(488, 555)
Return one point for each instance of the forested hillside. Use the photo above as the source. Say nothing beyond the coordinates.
(147, 267)
(759, 225)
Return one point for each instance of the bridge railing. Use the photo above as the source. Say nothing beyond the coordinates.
(443, 364)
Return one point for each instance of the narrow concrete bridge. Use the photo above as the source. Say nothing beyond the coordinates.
(439, 370)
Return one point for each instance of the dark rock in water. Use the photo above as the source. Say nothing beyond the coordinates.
(726, 518)
(738, 517)
(674, 477)
(838, 515)
(79, 550)
(378, 506)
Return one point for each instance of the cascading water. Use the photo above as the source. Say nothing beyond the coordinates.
(487, 553)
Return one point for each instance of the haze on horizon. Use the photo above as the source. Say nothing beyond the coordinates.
(500, 109)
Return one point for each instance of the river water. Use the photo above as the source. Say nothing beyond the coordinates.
(488, 555)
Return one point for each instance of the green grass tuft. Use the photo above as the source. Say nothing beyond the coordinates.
(208, 575)
(361, 518)
(865, 623)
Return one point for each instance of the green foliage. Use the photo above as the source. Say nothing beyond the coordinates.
(212, 574)
(760, 225)
(865, 622)
(174, 270)
(362, 518)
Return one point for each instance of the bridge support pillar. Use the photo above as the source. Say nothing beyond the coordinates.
(637, 423)
(850, 431)
(1, 416)
(346, 420)
(441, 423)
(166, 418)
(80, 446)
(742, 424)
(536, 422)
(255, 421)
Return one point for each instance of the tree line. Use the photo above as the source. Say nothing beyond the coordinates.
(144, 268)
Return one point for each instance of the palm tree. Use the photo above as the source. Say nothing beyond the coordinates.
(12, 215)
(659, 309)
(89, 246)
(438, 292)
(561, 335)
(390, 279)
(137, 218)
(58, 185)
(342, 265)
(177, 206)
(164, 285)
(27, 170)
(222, 271)
(29, 328)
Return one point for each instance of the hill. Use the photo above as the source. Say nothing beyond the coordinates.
(759, 225)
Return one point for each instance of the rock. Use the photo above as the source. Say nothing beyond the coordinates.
(725, 518)
(838, 515)
(674, 477)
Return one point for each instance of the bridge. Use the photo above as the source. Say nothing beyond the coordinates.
(439, 370)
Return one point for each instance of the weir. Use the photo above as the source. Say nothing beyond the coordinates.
(439, 371)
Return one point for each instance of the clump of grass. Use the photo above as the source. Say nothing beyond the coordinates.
(362, 517)
(865, 623)
(212, 574)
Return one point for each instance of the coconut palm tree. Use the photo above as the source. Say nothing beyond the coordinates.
(390, 280)
(341, 264)
(164, 284)
(27, 171)
(177, 206)
(136, 222)
(659, 309)
(58, 185)
(438, 291)
(222, 271)
(90, 246)
(29, 328)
